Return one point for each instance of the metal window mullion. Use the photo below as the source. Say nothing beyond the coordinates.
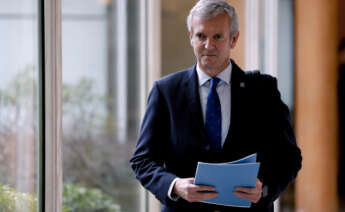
(121, 71)
(271, 21)
(143, 65)
(50, 198)
(154, 63)
(252, 34)
(41, 162)
(154, 41)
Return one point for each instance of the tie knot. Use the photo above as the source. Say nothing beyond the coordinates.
(214, 82)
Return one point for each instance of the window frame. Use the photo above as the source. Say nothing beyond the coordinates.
(50, 115)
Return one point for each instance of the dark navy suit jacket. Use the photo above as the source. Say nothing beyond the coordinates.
(172, 138)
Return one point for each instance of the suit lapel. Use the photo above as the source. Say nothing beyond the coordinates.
(237, 93)
(193, 99)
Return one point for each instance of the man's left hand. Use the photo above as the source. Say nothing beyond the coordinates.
(251, 194)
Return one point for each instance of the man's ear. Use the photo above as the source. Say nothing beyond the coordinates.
(190, 35)
(234, 39)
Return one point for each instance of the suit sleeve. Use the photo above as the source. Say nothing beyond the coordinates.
(148, 159)
(281, 158)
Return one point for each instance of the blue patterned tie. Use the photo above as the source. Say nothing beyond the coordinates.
(213, 124)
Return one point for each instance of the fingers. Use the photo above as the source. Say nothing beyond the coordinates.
(201, 196)
(251, 194)
(251, 197)
(186, 189)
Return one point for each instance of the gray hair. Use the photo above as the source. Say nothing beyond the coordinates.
(206, 9)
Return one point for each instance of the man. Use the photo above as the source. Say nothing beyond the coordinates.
(214, 112)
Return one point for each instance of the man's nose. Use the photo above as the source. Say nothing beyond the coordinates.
(210, 44)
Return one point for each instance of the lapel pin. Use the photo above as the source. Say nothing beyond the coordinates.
(242, 85)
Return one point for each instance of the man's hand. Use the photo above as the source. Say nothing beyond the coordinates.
(251, 194)
(186, 189)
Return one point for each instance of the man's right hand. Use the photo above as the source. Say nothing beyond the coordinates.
(185, 188)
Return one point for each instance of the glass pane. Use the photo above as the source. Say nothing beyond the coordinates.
(18, 105)
(177, 53)
(100, 41)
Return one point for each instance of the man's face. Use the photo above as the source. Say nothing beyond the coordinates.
(211, 42)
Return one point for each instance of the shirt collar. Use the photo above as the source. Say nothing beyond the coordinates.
(224, 76)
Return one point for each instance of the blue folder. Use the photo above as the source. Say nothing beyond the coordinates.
(225, 177)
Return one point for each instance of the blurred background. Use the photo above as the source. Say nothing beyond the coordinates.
(112, 51)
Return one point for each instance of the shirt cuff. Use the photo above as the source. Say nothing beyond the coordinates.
(172, 196)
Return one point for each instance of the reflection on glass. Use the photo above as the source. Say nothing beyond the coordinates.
(100, 41)
(18, 106)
